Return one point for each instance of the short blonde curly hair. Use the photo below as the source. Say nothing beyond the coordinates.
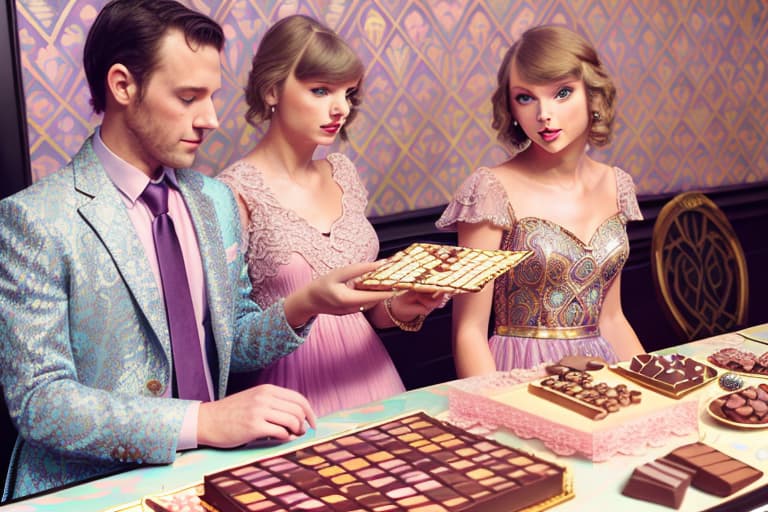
(549, 53)
(303, 46)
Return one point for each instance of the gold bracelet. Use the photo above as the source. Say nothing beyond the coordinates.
(412, 326)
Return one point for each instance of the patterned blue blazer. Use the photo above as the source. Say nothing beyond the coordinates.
(84, 346)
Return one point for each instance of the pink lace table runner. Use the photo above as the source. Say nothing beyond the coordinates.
(502, 400)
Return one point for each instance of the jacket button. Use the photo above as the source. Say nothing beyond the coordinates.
(155, 387)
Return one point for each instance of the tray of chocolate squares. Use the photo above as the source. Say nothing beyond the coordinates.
(746, 408)
(672, 375)
(440, 268)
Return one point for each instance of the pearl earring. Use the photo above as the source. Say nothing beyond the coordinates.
(272, 108)
(514, 122)
(595, 115)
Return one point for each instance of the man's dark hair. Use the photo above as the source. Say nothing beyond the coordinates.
(129, 32)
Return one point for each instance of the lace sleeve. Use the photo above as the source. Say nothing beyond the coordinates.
(625, 192)
(480, 198)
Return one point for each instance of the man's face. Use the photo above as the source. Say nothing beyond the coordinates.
(168, 123)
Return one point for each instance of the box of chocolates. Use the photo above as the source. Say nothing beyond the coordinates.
(412, 463)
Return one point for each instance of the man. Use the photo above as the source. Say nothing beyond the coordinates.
(88, 347)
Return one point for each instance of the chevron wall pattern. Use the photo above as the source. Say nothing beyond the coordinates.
(692, 79)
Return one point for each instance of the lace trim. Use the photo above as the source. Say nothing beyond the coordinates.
(480, 198)
(274, 233)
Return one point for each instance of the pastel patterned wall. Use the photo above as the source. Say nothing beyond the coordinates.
(691, 74)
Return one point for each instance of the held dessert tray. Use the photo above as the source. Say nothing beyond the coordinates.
(440, 268)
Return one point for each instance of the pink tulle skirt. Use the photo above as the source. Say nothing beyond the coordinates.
(343, 363)
(512, 352)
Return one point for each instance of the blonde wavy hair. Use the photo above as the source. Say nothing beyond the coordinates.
(303, 46)
(550, 53)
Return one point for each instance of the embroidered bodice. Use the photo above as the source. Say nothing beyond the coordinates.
(563, 283)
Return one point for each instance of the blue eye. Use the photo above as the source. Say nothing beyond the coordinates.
(563, 93)
(523, 99)
(320, 91)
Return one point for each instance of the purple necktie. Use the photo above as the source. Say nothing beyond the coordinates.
(187, 355)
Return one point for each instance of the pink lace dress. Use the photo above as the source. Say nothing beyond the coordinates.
(343, 362)
(548, 307)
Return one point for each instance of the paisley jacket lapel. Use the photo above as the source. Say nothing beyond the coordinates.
(218, 286)
(103, 209)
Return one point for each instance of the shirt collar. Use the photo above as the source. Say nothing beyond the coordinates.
(129, 180)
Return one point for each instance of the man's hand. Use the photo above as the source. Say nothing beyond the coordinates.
(258, 412)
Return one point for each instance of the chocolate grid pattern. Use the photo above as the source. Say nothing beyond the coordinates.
(414, 460)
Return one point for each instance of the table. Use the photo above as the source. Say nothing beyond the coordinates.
(597, 485)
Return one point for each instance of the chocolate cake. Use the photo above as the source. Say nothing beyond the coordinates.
(412, 463)
(660, 481)
(716, 472)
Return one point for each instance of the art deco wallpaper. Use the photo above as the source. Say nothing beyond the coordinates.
(693, 86)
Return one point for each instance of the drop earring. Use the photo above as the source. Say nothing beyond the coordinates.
(272, 109)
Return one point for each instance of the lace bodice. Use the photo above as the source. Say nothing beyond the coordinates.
(563, 284)
(276, 234)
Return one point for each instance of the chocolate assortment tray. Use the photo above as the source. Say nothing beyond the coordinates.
(746, 408)
(673, 375)
(440, 268)
(415, 462)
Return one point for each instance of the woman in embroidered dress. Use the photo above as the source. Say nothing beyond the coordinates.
(304, 217)
(554, 97)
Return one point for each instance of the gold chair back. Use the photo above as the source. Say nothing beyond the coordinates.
(699, 268)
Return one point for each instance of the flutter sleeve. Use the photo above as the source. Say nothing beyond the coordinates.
(626, 196)
(480, 198)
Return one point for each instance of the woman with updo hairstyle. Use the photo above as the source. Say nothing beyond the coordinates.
(554, 100)
(303, 217)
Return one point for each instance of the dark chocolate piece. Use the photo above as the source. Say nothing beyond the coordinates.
(716, 472)
(661, 481)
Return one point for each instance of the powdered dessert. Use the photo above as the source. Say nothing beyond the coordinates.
(412, 463)
(440, 268)
(673, 375)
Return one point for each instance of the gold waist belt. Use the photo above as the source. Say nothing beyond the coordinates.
(524, 331)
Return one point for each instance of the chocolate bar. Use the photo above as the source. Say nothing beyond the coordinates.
(440, 268)
(661, 481)
(716, 472)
